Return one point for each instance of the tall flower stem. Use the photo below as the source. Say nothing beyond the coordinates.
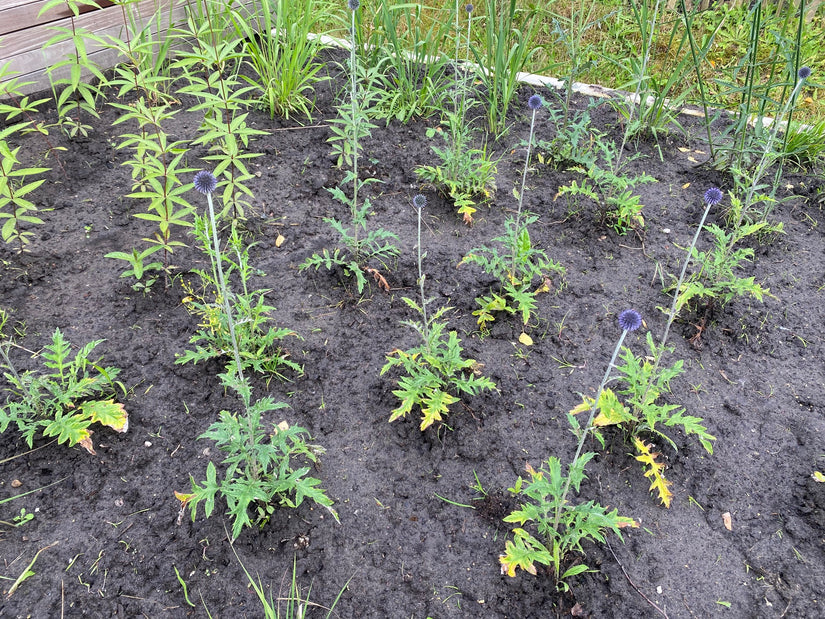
(206, 183)
(419, 202)
(534, 104)
(353, 95)
(215, 251)
(712, 197)
(629, 320)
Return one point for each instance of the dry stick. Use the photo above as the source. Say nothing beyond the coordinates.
(298, 128)
(26, 452)
(632, 584)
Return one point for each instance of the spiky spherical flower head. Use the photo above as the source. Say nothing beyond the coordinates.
(630, 320)
(469, 8)
(534, 102)
(804, 73)
(353, 5)
(205, 182)
(713, 196)
(419, 201)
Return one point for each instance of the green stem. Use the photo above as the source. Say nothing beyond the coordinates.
(587, 429)
(521, 193)
(355, 123)
(215, 251)
(421, 277)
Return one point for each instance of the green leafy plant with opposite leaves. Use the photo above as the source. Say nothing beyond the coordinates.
(78, 96)
(73, 392)
(16, 208)
(211, 69)
(158, 165)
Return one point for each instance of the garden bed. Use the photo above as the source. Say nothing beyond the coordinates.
(421, 526)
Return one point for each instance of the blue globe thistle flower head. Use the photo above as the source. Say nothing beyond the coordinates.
(630, 320)
(353, 4)
(713, 196)
(419, 201)
(205, 182)
(804, 73)
(469, 8)
(534, 102)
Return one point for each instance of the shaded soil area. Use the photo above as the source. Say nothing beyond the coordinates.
(420, 513)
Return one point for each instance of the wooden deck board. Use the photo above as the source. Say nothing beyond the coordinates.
(24, 50)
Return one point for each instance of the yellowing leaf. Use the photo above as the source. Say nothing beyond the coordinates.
(818, 477)
(107, 413)
(611, 411)
(686, 185)
(525, 339)
(682, 149)
(655, 471)
(183, 498)
(280, 240)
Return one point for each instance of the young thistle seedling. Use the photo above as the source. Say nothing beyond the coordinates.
(435, 370)
(562, 527)
(262, 459)
(520, 265)
(361, 245)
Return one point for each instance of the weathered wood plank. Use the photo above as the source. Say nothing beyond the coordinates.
(24, 53)
(16, 16)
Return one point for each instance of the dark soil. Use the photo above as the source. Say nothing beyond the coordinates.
(403, 548)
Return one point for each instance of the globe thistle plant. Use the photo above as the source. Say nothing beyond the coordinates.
(629, 320)
(534, 103)
(768, 155)
(435, 370)
(712, 197)
(205, 182)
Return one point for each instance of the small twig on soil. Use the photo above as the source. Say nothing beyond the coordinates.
(297, 128)
(632, 584)
(27, 452)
